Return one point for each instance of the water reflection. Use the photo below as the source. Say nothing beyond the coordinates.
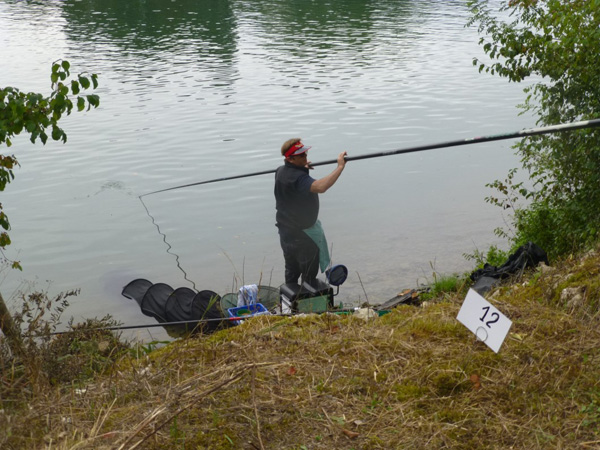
(135, 25)
(169, 33)
(303, 25)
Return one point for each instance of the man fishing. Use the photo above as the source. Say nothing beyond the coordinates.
(297, 203)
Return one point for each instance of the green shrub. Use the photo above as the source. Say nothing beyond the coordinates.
(556, 43)
(494, 256)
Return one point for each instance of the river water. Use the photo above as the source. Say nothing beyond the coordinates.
(196, 90)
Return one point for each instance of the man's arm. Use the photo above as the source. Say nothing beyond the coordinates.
(323, 184)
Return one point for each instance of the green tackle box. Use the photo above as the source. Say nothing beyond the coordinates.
(316, 297)
(313, 304)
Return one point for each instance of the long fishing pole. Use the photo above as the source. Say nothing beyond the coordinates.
(183, 322)
(475, 140)
(163, 324)
(166, 324)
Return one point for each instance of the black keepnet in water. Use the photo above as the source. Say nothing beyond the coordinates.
(167, 305)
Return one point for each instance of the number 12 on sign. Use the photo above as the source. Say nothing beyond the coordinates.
(484, 320)
(495, 316)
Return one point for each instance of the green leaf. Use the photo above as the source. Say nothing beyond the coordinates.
(56, 133)
(66, 65)
(85, 82)
(57, 104)
(93, 100)
(4, 221)
(4, 240)
(80, 103)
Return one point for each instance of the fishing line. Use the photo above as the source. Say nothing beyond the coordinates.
(169, 247)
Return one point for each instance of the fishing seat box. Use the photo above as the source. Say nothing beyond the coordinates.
(316, 297)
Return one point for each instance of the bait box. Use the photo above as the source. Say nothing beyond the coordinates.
(248, 311)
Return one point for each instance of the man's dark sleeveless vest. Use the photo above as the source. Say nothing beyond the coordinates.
(297, 207)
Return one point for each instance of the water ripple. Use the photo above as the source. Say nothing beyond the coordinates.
(193, 91)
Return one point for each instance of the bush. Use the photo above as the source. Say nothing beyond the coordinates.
(48, 358)
(557, 43)
(494, 257)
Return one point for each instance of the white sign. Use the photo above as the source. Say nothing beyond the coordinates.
(484, 320)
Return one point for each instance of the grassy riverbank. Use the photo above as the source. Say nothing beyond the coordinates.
(414, 378)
